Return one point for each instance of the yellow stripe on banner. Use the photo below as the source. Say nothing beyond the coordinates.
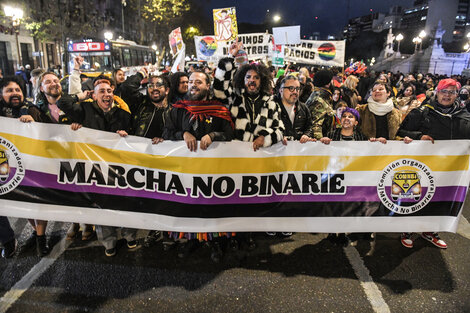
(83, 151)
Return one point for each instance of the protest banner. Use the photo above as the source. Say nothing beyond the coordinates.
(53, 173)
(317, 52)
(256, 45)
(225, 24)
(176, 41)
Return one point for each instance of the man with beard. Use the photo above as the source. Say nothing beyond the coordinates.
(178, 87)
(50, 91)
(320, 104)
(248, 93)
(199, 118)
(101, 114)
(294, 114)
(186, 117)
(148, 115)
(147, 110)
(13, 105)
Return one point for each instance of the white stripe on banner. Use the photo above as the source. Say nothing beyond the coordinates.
(232, 224)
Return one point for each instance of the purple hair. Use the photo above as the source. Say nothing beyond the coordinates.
(352, 111)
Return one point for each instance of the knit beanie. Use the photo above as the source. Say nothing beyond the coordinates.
(322, 78)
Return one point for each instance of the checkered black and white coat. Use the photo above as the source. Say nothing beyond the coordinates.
(267, 123)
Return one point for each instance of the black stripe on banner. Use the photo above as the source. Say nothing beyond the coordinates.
(176, 209)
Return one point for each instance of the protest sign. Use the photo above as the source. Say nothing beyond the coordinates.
(225, 24)
(256, 45)
(317, 52)
(289, 35)
(176, 41)
(53, 173)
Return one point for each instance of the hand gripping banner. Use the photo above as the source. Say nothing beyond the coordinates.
(51, 172)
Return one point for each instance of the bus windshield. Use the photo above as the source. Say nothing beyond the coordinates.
(94, 62)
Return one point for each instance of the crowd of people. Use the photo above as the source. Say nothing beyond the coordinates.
(252, 103)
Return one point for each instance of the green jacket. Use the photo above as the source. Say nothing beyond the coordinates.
(320, 105)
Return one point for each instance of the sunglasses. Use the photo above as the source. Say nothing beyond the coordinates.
(157, 85)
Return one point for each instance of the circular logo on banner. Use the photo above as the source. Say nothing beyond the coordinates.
(406, 186)
(11, 167)
(208, 46)
(327, 51)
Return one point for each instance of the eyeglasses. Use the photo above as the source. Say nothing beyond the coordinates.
(292, 88)
(157, 85)
(449, 92)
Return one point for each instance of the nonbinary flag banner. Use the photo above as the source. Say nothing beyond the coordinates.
(51, 172)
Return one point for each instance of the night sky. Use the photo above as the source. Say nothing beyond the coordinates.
(332, 14)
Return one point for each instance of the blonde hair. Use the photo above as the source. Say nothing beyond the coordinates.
(304, 71)
(351, 82)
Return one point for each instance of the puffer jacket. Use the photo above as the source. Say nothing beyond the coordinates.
(429, 120)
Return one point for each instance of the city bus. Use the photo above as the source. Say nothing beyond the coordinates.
(105, 56)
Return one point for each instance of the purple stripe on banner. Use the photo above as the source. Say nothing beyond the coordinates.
(354, 193)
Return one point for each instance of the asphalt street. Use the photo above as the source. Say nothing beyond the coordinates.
(301, 273)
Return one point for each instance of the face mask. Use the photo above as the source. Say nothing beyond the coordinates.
(463, 96)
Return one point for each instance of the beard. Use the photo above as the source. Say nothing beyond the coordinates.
(14, 101)
(53, 92)
(157, 97)
(250, 91)
(199, 95)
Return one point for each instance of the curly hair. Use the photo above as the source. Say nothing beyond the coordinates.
(261, 70)
(11, 79)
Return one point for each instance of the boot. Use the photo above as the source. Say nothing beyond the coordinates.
(87, 233)
(73, 230)
(41, 246)
(31, 241)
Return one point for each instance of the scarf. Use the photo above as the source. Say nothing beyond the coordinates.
(202, 109)
(380, 109)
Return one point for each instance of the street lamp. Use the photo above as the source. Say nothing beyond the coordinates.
(399, 38)
(416, 41)
(16, 15)
(276, 18)
(123, 4)
(108, 35)
(421, 35)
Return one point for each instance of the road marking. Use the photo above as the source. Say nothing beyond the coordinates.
(370, 288)
(464, 227)
(21, 286)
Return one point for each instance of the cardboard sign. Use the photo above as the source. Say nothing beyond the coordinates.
(289, 35)
(256, 45)
(176, 41)
(225, 24)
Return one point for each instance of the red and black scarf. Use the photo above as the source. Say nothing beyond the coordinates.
(204, 109)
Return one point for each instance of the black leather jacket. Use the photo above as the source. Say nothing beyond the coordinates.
(302, 121)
